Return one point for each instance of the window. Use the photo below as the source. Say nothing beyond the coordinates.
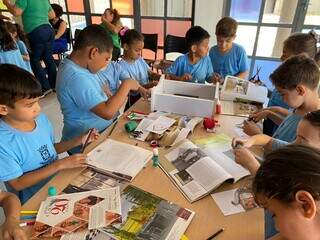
(265, 24)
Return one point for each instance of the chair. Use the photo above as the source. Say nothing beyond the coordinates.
(69, 42)
(76, 33)
(172, 44)
(151, 43)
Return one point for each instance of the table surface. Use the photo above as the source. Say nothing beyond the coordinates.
(208, 218)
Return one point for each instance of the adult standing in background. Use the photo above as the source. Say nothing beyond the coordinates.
(35, 19)
(111, 22)
(60, 43)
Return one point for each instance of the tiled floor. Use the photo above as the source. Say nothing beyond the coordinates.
(50, 106)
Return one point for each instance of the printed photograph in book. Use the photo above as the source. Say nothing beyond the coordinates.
(146, 216)
(77, 212)
(90, 179)
(236, 85)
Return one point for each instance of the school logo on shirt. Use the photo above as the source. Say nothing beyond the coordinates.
(45, 155)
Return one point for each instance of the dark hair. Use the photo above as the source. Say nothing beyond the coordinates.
(15, 28)
(93, 35)
(303, 43)
(313, 118)
(6, 41)
(58, 10)
(196, 35)
(116, 15)
(131, 36)
(298, 69)
(226, 27)
(17, 83)
(288, 170)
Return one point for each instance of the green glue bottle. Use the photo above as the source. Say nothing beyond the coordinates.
(155, 157)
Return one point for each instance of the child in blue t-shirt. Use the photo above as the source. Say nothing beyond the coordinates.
(194, 66)
(21, 40)
(83, 101)
(9, 51)
(227, 57)
(28, 152)
(297, 81)
(136, 67)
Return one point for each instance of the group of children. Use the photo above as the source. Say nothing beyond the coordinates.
(91, 90)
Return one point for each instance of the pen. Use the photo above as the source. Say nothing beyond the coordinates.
(27, 224)
(215, 234)
(29, 212)
(87, 140)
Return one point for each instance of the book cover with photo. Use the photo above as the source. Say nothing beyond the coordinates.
(199, 168)
(77, 212)
(146, 216)
(238, 89)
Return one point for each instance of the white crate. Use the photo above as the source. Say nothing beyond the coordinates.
(191, 99)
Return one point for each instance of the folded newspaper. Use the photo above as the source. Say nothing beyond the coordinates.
(77, 212)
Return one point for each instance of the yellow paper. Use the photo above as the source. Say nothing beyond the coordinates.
(184, 237)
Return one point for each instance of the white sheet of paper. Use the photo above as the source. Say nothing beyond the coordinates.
(160, 125)
(223, 200)
(143, 125)
(182, 135)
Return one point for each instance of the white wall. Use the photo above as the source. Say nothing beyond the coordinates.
(207, 14)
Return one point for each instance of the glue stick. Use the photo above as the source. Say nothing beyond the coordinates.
(218, 107)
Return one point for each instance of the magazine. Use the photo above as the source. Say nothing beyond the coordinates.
(77, 212)
(119, 160)
(198, 170)
(91, 179)
(146, 216)
(234, 89)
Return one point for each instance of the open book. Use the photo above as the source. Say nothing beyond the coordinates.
(146, 216)
(68, 213)
(234, 89)
(198, 171)
(119, 160)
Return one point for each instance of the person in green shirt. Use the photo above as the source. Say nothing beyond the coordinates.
(35, 18)
(111, 22)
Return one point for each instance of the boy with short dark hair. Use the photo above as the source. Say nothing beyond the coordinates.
(296, 80)
(194, 66)
(84, 103)
(28, 152)
(227, 57)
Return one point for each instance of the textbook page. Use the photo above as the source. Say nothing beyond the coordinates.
(194, 172)
(118, 157)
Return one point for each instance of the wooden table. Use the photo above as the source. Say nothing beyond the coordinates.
(208, 217)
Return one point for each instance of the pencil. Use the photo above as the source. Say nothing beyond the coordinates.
(215, 234)
(87, 140)
(28, 217)
(29, 212)
(112, 128)
(27, 224)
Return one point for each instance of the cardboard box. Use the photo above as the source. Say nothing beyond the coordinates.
(191, 99)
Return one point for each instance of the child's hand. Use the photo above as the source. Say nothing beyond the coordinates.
(131, 85)
(216, 77)
(251, 128)
(73, 161)
(259, 115)
(93, 136)
(145, 93)
(243, 142)
(246, 159)
(186, 77)
(12, 230)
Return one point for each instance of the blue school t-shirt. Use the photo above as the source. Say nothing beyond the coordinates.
(137, 70)
(14, 57)
(24, 51)
(112, 75)
(23, 152)
(287, 130)
(231, 63)
(200, 71)
(78, 91)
